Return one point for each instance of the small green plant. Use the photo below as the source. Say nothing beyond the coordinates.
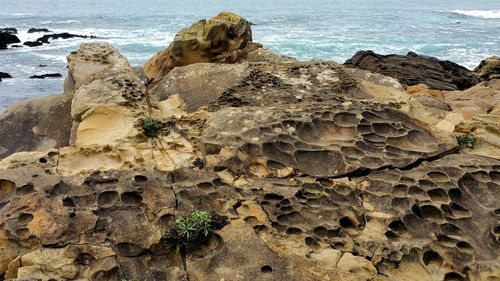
(466, 141)
(189, 230)
(151, 127)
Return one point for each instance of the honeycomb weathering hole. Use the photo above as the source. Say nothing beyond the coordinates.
(266, 269)
(140, 179)
(320, 163)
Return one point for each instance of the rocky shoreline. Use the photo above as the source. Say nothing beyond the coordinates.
(383, 168)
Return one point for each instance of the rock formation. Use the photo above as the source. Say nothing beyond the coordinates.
(323, 172)
(34, 30)
(226, 38)
(414, 69)
(4, 75)
(47, 75)
(6, 38)
(489, 68)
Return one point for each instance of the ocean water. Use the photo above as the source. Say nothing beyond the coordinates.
(463, 31)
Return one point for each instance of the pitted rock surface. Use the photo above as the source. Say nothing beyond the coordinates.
(257, 84)
(121, 90)
(326, 140)
(93, 61)
(108, 225)
(319, 172)
(489, 68)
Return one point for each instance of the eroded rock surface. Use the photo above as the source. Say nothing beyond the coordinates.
(37, 124)
(93, 61)
(414, 69)
(322, 172)
(226, 38)
(489, 68)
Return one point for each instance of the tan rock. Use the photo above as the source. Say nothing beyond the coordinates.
(226, 38)
(266, 55)
(357, 265)
(95, 60)
(489, 68)
(51, 260)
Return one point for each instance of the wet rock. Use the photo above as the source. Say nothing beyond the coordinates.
(6, 38)
(32, 44)
(45, 39)
(4, 75)
(34, 30)
(414, 69)
(226, 38)
(48, 75)
(489, 68)
(30, 125)
(10, 30)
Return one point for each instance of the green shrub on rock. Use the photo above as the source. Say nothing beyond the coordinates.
(192, 229)
(466, 141)
(151, 127)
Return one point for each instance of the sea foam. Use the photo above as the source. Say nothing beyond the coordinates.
(485, 14)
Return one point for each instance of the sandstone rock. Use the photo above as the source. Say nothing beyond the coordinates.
(323, 140)
(312, 172)
(124, 89)
(30, 125)
(93, 61)
(226, 38)
(266, 55)
(489, 68)
(414, 69)
(257, 84)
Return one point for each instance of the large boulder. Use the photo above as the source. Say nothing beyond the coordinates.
(37, 124)
(489, 68)
(93, 61)
(4, 75)
(226, 38)
(10, 30)
(256, 84)
(413, 69)
(7, 38)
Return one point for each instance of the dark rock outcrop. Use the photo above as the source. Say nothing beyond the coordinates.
(45, 39)
(413, 69)
(37, 124)
(32, 43)
(7, 38)
(10, 30)
(5, 75)
(33, 30)
(48, 75)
